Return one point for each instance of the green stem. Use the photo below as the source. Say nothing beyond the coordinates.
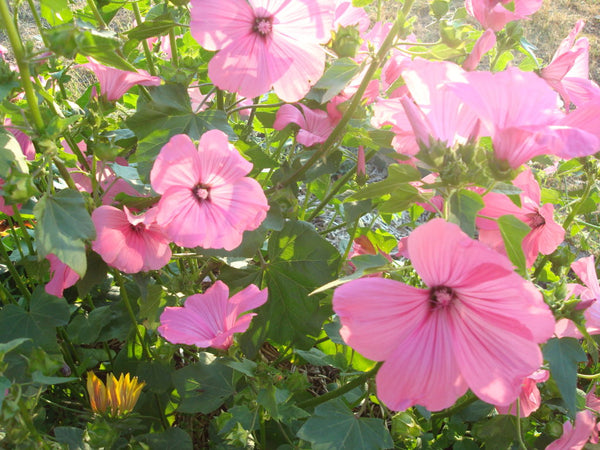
(249, 127)
(64, 173)
(220, 100)
(173, 43)
(17, 215)
(519, 432)
(134, 321)
(21, 58)
(6, 296)
(361, 379)
(14, 273)
(456, 408)
(147, 52)
(92, 5)
(38, 22)
(76, 151)
(588, 377)
(356, 100)
(256, 106)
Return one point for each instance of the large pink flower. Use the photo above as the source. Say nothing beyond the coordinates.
(211, 319)
(477, 325)
(206, 198)
(115, 82)
(128, 242)
(545, 235)
(264, 43)
(575, 437)
(494, 14)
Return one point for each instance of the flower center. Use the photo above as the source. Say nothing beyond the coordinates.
(535, 220)
(139, 228)
(440, 297)
(201, 192)
(263, 25)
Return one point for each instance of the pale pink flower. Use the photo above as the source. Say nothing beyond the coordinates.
(206, 198)
(586, 121)
(211, 319)
(347, 15)
(545, 235)
(585, 269)
(477, 325)
(264, 44)
(529, 398)
(519, 111)
(568, 72)
(575, 438)
(315, 124)
(115, 82)
(484, 44)
(128, 242)
(61, 276)
(493, 14)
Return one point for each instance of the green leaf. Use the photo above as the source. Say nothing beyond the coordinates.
(151, 28)
(38, 324)
(464, 206)
(563, 355)
(203, 386)
(401, 198)
(71, 436)
(334, 426)
(10, 345)
(39, 377)
(361, 3)
(11, 155)
(172, 439)
(513, 231)
(55, 11)
(497, 433)
(168, 113)
(335, 78)
(399, 175)
(300, 260)
(63, 225)
(5, 383)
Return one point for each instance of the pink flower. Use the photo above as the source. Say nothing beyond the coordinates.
(115, 82)
(493, 14)
(529, 398)
(585, 269)
(264, 44)
(62, 276)
(568, 72)
(347, 15)
(574, 438)
(476, 325)
(24, 141)
(545, 235)
(211, 319)
(315, 124)
(130, 243)
(206, 198)
(484, 44)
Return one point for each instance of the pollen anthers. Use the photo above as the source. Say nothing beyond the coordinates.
(263, 25)
(201, 192)
(440, 297)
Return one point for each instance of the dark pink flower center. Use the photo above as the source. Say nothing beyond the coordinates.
(535, 220)
(139, 228)
(440, 297)
(263, 25)
(201, 192)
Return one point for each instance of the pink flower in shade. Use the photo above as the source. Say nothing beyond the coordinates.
(211, 319)
(128, 242)
(264, 43)
(115, 82)
(477, 325)
(315, 124)
(585, 269)
(62, 276)
(24, 141)
(545, 235)
(575, 437)
(484, 44)
(206, 198)
(519, 111)
(568, 72)
(529, 398)
(493, 14)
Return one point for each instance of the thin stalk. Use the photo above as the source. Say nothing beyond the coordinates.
(361, 379)
(76, 151)
(92, 5)
(588, 377)
(146, 47)
(249, 127)
(350, 241)
(256, 106)
(220, 106)
(38, 22)
(14, 273)
(15, 237)
(134, 321)
(356, 100)
(62, 169)
(173, 44)
(21, 58)
(519, 432)
(17, 215)
(6, 296)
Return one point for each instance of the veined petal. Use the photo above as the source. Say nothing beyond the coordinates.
(177, 164)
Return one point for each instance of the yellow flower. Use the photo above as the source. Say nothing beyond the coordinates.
(117, 398)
